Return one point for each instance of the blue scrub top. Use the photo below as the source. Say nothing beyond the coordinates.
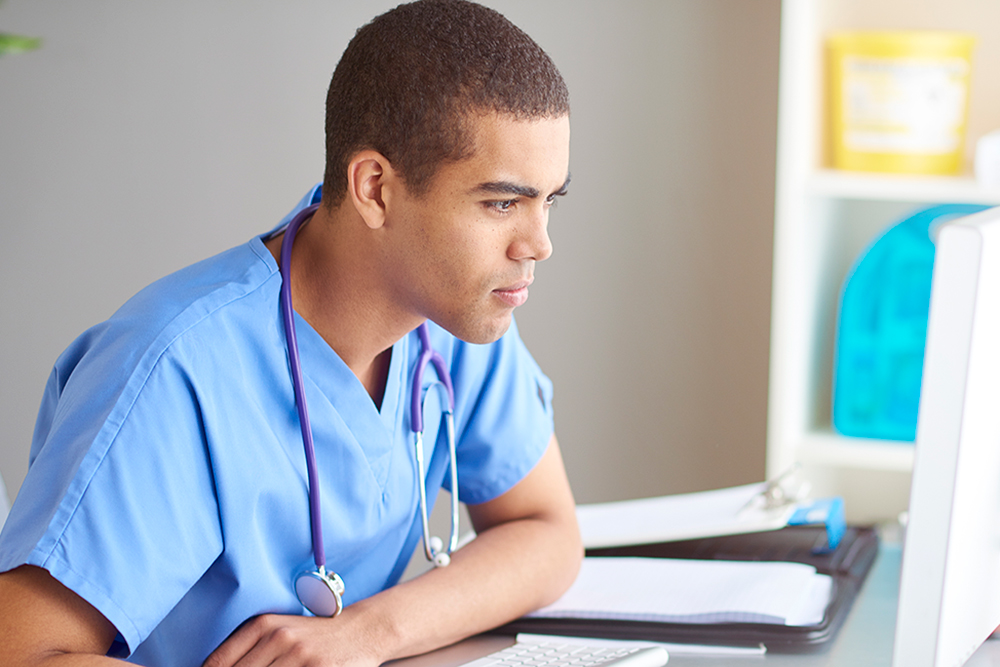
(167, 482)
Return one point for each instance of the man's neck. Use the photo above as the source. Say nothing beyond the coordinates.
(336, 292)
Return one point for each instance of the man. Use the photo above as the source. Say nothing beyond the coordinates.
(166, 510)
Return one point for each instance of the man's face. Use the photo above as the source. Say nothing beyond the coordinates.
(465, 252)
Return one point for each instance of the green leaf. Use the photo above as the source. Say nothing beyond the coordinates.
(18, 43)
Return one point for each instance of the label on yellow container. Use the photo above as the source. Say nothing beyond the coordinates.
(896, 105)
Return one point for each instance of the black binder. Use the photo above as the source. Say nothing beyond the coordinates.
(848, 565)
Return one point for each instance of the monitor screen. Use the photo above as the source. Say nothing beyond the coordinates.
(949, 599)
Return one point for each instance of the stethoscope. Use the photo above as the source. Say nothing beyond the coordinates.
(321, 591)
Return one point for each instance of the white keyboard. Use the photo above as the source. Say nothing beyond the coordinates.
(557, 654)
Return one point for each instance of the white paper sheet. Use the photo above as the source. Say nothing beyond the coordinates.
(672, 649)
(678, 517)
(695, 591)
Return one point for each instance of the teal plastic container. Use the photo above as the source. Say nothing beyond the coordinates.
(882, 329)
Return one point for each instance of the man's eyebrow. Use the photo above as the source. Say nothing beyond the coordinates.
(509, 188)
(564, 188)
(506, 188)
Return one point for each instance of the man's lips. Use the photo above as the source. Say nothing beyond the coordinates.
(514, 295)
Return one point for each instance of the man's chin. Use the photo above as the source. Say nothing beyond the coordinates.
(479, 333)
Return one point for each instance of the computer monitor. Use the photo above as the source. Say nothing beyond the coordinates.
(949, 598)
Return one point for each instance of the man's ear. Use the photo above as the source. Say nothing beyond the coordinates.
(368, 175)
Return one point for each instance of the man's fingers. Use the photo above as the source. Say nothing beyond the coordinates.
(239, 644)
(270, 640)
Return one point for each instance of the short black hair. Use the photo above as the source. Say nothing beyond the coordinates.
(411, 78)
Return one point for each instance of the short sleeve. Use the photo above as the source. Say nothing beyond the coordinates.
(504, 416)
(134, 523)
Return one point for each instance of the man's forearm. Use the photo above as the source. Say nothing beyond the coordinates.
(511, 568)
(504, 573)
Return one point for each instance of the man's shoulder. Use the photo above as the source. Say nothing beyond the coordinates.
(211, 297)
(202, 288)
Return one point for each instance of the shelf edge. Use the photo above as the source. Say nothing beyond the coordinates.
(898, 187)
(838, 451)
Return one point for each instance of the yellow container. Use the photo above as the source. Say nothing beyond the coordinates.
(899, 100)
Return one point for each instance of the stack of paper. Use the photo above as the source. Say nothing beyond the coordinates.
(695, 591)
(680, 517)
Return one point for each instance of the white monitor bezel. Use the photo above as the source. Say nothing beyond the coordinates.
(949, 599)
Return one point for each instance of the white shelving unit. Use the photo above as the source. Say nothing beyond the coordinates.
(825, 218)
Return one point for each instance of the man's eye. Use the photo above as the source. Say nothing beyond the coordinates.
(503, 206)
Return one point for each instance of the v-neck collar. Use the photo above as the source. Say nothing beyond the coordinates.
(339, 383)
(331, 385)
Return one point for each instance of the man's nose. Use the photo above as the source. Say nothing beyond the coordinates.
(532, 241)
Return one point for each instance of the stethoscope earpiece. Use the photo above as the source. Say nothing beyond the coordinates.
(439, 556)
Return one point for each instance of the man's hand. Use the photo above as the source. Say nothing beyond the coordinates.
(296, 641)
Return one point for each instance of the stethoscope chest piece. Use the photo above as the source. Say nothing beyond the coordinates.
(320, 592)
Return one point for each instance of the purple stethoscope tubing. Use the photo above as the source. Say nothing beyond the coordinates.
(433, 548)
(287, 315)
(329, 584)
(427, 354)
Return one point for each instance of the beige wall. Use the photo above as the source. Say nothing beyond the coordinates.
(144, 136)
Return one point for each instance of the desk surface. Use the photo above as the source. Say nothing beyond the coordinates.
(864, 640)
